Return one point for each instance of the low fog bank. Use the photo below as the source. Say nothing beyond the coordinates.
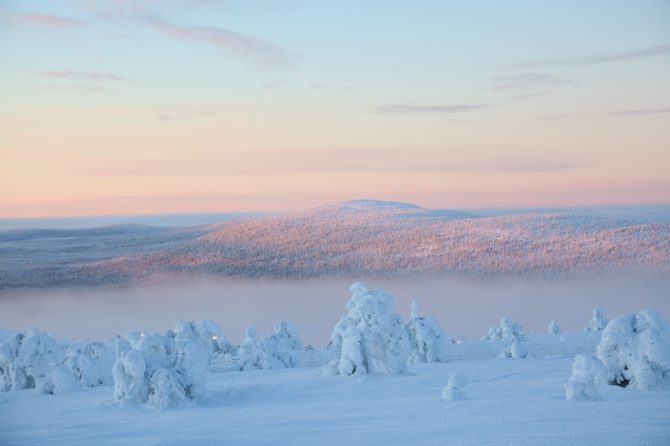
(464, 307)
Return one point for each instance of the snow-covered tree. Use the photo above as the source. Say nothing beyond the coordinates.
(247, 351)
(371, 338)
(507, 331)
(455, 388)
(553, 329)
(162, 370)
(587, 373)
(26, 359)
(214, 339)
(428, 342)
(279, 350)
(91, 365)
(598, 322)
(635, 350)
(516, 350)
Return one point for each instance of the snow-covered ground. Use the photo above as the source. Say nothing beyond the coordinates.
(510, 402)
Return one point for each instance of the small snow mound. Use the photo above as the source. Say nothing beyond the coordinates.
(587, 373)
(455, 388)
(635, 349)
(516, 350)
(59, 380)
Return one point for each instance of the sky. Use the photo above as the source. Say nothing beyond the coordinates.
(112, 107)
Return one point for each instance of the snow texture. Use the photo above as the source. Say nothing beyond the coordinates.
(508, 331)
(428, 342)
(371, 338)
(553, 328)
(635, 350)
(587, 373)
(455, 388)
(598, 322)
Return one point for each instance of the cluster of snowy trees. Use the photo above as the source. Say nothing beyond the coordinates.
(171, 369)
(36, 360)
(372, 339)
(634, 351)
(511, 333)
(279, 350)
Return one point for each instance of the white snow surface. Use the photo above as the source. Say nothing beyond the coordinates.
(509, 403)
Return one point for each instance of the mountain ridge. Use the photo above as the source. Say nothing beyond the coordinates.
(353, 239)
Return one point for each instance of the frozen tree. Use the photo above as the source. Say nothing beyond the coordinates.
(635, 350)
(587, 373)
(371, 338)
(26, 359)
(507, 331)
(553, 329)
(91, 365)
(598, 322)
(281, 349)
(162, 370)
(455, 388)
(516, 350)
(130, 377)
(248, 350)
(428, 342)
(213, 337)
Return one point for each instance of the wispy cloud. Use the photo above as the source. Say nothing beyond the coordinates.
(647, 111)
(77, 88)
(91, 76)
(222, 39)
(528, 81)
(184, 113)
(41, 20)
(429, 109)
(642, 53)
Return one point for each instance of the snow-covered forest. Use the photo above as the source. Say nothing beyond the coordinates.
(342, 240)
(409, 366)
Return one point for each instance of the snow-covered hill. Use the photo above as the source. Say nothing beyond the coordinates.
(357, 238)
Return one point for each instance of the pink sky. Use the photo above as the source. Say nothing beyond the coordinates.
(152, 107)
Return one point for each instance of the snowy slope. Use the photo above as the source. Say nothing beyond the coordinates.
(516, 402)
(363, 237)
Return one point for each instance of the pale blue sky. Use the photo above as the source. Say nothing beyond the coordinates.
(436, 102)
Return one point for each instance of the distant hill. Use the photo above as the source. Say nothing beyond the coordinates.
(353, 239)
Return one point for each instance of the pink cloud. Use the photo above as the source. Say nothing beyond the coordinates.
(221, 39)
(43, 20)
